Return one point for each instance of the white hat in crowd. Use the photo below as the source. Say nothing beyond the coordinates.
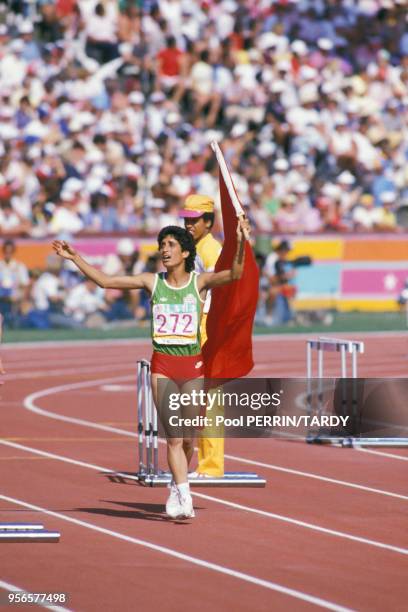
(125, 247)
(346, 178)
(388, 197)
(281, 165)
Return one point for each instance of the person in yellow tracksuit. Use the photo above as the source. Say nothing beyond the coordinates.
(198, 214)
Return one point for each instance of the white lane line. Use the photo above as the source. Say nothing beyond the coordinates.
(306, 335)
(18, 365)
(11, 346)
(344, 483)
(279, 517)
(273, 586)
(29, 404)
(64, 372)
(15, 589)
(287, 519)
(36, 451)
(380, 453)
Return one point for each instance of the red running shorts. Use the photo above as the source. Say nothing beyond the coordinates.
(177, 368)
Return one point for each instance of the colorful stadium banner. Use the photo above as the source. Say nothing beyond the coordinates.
(367, 274)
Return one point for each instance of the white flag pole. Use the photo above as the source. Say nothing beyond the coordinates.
(228, 183)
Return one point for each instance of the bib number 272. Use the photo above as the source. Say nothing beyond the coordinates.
(175, 323)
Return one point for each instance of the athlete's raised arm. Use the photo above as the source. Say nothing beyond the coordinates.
(139, 281)
(208, 280)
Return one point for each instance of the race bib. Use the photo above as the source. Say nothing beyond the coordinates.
(175, 323)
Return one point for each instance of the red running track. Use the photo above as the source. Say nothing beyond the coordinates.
(328, 531)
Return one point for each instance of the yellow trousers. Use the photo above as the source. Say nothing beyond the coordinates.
(210, 450)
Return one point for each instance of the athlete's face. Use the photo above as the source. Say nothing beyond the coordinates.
(171, 253)
(197, 227)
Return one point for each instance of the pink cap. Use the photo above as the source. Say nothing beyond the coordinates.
(190, 214)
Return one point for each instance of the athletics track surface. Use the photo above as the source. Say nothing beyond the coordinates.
(328, 531)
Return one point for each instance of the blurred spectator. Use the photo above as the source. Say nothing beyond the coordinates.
(14, 280)
(403, 297)
(204, 96)
(31, 50)
(367, 216)
(48, 295)
(122, 304)
(84, 302)
(282, 286)
(102, 216)
(288, 218)
(170, 69)
(385, 219)
(101, 24)
(11, 222)
(278, 289)
(66, 217)
(261, 218)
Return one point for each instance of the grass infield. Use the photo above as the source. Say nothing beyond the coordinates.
(353, 322)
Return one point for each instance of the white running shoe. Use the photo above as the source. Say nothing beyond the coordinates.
(173, 507)
(186, 506)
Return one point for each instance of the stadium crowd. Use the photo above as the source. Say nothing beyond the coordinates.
(108, 107)
(107, 110)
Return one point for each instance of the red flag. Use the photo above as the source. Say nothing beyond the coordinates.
(228, 350)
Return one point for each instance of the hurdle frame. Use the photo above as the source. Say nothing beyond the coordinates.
(344, 346)
(149, 473)
(339, 345)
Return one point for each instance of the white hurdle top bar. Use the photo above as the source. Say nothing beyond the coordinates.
(336, 344)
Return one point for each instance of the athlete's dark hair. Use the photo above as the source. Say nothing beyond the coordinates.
(185, 240)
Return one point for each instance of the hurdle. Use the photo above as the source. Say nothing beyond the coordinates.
(18, 533)
(147, 425)
(346, 348)
(149, 473)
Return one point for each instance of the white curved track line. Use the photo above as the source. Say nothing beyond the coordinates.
(29, 404)
(15, 589)
(221, 569)
(279, 517)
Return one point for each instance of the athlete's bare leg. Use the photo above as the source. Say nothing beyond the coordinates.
(179, 450)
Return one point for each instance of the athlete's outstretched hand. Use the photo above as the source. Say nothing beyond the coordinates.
(63, 249)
